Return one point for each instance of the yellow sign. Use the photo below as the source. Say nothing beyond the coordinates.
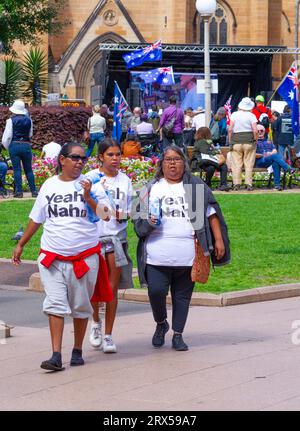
(72, 103)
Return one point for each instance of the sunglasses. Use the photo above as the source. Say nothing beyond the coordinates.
(77, 157)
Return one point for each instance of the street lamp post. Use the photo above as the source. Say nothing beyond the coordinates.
(206, 8)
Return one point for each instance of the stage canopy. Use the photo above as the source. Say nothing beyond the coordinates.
(239, 68)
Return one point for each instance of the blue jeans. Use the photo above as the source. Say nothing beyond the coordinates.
(277, 162)
(3, 170)
(94, 138)
(283, 149)
(21, 152)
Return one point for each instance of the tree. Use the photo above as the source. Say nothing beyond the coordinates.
(26, 20)
(35, 72)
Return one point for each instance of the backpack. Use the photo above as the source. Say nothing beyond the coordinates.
(169, 126)
(264, 119)
(215, 131)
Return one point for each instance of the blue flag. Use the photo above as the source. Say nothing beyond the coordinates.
(288, 90)
(162, 76)
(120, 107)
(149, 53)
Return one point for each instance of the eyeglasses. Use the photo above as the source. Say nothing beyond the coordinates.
(77, 157)
(113, 154)
(173, 159)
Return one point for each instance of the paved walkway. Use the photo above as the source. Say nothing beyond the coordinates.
(240, 358)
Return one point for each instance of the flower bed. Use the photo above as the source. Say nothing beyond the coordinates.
(139, 171)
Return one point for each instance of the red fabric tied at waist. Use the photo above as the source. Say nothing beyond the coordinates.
(103, 291)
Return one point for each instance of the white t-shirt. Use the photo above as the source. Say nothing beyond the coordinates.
(172, 242)
(243, 121)
(199, 121)
(121, 191)
(51, 150)
(67, 230)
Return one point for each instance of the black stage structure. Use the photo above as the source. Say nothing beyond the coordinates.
(240, 68)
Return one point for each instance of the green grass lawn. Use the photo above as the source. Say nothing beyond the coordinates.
(263, 233)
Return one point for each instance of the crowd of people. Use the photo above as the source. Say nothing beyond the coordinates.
(147, 133)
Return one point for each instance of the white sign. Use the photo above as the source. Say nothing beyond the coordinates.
(53, 97)
(201, 86)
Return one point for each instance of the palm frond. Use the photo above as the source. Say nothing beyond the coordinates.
(35, 70)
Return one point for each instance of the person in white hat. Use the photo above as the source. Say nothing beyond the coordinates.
(17, 139)
(243, 137)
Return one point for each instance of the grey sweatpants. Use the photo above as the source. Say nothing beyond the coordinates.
(65, 294)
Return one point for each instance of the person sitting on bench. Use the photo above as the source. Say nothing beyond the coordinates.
(266, 155)
(209, 159)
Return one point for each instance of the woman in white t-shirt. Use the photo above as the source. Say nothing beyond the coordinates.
(243, 137)
(70, 251)
(181, 208)
(113, 238)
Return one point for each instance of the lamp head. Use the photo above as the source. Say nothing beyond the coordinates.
(206, 7)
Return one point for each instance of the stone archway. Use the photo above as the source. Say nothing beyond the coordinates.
(84, 68)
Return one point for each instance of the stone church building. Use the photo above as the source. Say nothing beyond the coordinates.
(76, 64)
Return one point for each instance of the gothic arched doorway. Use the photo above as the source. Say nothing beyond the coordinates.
(89, 69)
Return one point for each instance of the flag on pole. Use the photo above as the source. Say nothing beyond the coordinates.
(162, 76)
(149, 53)
(288, 90)
(120, 107)
(228, 109)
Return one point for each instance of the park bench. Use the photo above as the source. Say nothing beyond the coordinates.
(225, 151)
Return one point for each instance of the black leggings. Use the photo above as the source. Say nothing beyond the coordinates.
(210, 170)
(160, 279)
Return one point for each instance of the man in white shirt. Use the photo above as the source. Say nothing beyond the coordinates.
(198, 119)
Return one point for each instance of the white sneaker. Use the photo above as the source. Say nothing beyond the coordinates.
(95, 337)
(108, 345)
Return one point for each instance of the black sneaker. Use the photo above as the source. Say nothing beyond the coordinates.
(158, 339)
(34, 194)
(223, 188)
(53, 364)
(76, 358)
(249, 188)
(278, 188)
(236, 187)
(18, 195)
(178, 343)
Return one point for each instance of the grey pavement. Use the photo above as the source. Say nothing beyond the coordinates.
(240, 358)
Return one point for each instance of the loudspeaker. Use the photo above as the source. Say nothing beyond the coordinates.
(134, 98)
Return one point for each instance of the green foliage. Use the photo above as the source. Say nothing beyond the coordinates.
(13, 78)
(35, 71)
(26, 20)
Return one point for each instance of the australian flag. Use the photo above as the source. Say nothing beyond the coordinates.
(162, 76)
(149, 53)
(120, 106)
(288, 90)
